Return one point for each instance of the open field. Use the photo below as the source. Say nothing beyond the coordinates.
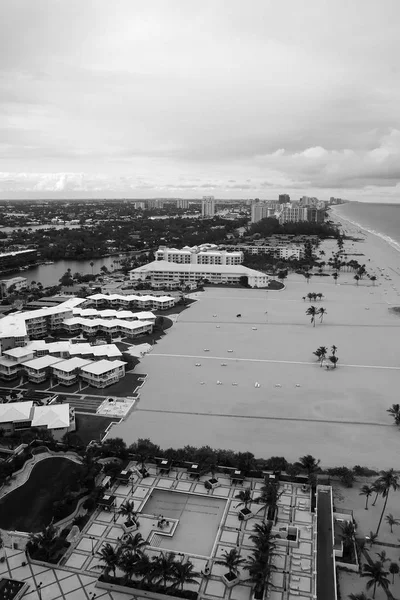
(333, 414)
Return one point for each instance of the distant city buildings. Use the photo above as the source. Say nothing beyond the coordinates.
(262, 210)
(205, 254)
(293, 214)
(333, 200)
(208, 206)
(284, 198)
(183, 204)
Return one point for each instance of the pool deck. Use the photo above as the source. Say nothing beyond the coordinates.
(75, 578)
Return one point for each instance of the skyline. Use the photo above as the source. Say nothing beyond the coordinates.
(186, 100)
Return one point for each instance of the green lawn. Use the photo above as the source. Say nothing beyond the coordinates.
(30, 506)
(91, 427)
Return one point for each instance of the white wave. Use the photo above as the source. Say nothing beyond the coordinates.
(386, 238)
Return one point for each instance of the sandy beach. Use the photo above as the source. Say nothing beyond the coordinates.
(338, 416)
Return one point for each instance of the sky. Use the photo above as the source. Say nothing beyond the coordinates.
(181, 98)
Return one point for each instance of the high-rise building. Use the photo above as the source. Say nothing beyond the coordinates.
(284, 198)
(293, 214)
(308, 201)
(208, 206)
(316, 215)
(181, 203)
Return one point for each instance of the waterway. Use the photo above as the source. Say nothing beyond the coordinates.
(49, 275)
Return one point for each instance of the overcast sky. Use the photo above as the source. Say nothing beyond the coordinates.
(181, 98)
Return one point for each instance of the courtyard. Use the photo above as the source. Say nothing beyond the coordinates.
(76, 576)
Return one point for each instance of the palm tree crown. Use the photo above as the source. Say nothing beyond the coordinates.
(231, 561)
(377, 576)
(389, 481)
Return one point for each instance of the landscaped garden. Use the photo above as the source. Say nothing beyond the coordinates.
(31, 506)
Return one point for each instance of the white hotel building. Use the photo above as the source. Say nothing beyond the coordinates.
(163, 271)
(205, 254)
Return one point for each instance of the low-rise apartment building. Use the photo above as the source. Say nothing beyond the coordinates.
(67, 372)
(284, 252)
(103, 373)
(39, 369)
(145, 302)
(17, 283)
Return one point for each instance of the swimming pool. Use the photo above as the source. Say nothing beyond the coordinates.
(199, 519)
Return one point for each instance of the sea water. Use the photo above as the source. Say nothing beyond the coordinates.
(382, 220)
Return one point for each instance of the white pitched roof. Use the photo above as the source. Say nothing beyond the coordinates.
(15, 411)
(102, 366)
(71, 364)
(53, 415)
(42, 362)
(165, 266)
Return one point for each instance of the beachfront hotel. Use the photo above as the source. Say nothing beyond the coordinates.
(205, 254)
(164, 271)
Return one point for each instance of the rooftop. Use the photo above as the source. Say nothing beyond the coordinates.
(42, 362)
(15, 411)
(102, 366)
(72, 363)
(52, 416)
(163, 265)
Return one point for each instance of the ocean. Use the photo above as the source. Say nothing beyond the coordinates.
(382, 220)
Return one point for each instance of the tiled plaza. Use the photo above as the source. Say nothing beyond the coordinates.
(75, 577)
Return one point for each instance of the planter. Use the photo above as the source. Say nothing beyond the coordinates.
(230, 579)
(135, 591)
(128, 527)
(212, 484)
(245, 514)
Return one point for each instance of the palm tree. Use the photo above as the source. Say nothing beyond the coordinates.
(184, 573)
(334, 360)
(46, 541)
(366, 491)
(376, 574)
(373, 279)
(322, 312)
(335, 277)
(390, 520)
(319, 296)
(334, 350)
(312, 312)
(127, 509)
(382, 556)
(307, 276)
(389, 481)
(164, 566)
(377, 489)
(232, 562)
(372, 538)
(394, 410)
(129, 563)
(110, 559)
(357, 278)
(260, 572)
(347, 534)
(92, 265)
(245, 498)
(394, 569)
(134, 543)
(320, 353)
(309, 464)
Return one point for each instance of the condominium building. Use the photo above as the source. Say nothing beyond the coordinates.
(259, 210)
(205, 254)
(146, 302)
(208, 206)
(284, 252)
(284, 198)
(182, 203)
(111, 327)
(316, 215)
(17, 283)
(67, 371)
(103, 373)
(38, 369)
(16, 329)
(161, 270)
(293, 214)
